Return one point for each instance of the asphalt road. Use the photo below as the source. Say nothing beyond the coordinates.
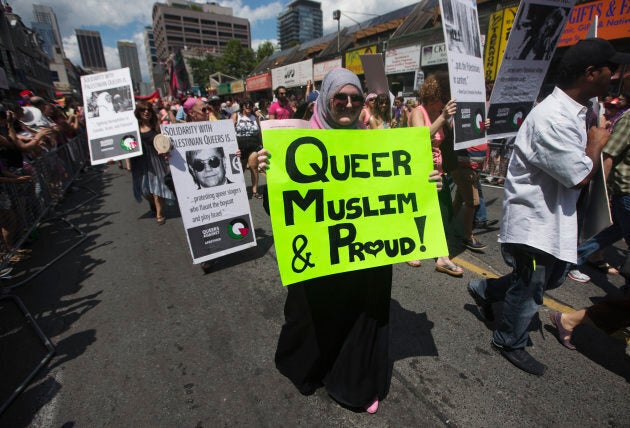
(144, 339)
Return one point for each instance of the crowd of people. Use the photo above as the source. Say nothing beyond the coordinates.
(336, 330)
(336, 327)
(32, 172)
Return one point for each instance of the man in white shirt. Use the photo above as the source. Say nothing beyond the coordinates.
(554, 157)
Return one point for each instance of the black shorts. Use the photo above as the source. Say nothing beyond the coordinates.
(247, 146)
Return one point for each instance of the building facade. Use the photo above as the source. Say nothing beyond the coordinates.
(46, 15)
(300, 23)
(128, 53)
(91, 50)
(202, 27)
(23, 61)
(149, 48)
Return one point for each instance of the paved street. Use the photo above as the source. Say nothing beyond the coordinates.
(145, 339)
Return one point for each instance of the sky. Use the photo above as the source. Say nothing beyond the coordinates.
(126, 19)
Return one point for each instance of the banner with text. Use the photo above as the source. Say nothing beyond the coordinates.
(321, 68)
(613, 21)
(402, 60)
(296, 74)
(465, 68)
(499, 27)
(343, 200)
(530, 47)
(210, 188)
(112, 128)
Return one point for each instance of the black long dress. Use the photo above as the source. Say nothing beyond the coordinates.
(336, 334)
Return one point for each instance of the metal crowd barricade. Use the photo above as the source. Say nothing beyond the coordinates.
(23, 207)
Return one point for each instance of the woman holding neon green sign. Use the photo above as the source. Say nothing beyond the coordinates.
(336, 331)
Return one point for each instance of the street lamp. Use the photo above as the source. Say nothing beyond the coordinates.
(337, 17)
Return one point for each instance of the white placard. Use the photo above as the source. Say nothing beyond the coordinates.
(210, 188)
(112, 128)
(465, 66)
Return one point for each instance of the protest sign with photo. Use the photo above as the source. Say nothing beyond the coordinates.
(112, 128)
(343, 200)
(210, 188)
(465, 68)
(532, 42)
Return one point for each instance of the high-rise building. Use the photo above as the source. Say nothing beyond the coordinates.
(128, 53)
(46, 15)
(91, 50)
(47, 35)
(301, 22)
(206, 28)
(149, 48)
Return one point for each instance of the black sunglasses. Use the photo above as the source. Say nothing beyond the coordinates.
(342, 99)
(199, 164)
(143, 110)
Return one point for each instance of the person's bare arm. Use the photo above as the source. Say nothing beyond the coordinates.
(595, 141)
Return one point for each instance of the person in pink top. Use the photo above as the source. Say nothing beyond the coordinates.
(281, 109)
(436, 111)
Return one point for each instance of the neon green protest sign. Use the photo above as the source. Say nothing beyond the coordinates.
(343, 200)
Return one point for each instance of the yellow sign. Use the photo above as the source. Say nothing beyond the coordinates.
(343, 200)
(499, 26)
(353, 58)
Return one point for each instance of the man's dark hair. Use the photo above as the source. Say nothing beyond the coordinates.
(278, 90)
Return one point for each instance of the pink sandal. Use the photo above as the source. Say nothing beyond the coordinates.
(372, 408)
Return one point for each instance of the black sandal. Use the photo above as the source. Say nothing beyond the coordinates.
(604, 267)
(257, 195)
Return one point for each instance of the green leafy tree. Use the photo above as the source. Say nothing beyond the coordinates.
(236, 60)
(264, 50)
(201, 69)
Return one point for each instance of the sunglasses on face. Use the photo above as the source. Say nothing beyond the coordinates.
(202, 110)
(341, 99)
(281, 94)
(199, 164)
(144, 110)
(247, 106)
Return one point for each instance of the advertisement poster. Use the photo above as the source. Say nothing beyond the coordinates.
(210, 188)
(499, 27)
(530, 47)
(343, 200)
(613, 22)
(292, 75)
(402, 60)
(465, 68)
(112, 128)
(434, 55)
(353, 58)
(321, 68)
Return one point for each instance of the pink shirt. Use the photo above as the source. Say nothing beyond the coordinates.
(281, 111)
